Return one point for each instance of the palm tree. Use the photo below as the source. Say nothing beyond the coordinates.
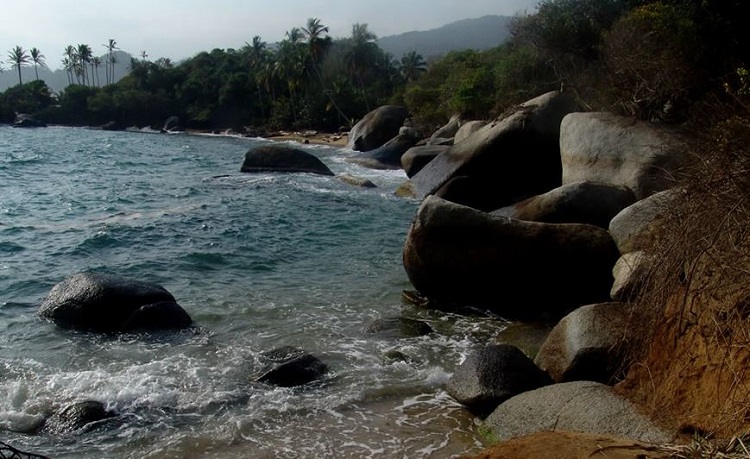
(361, 55)
(112, 61)
(68, 66)
(38, 59)
(18, 58)
(412, 65)
(317, 40)
(83, 52)
(70, 62)
(111, 47)
(96, 62)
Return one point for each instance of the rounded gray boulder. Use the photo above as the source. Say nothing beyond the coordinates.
(106, 303)
(282, 158)
(491, 375)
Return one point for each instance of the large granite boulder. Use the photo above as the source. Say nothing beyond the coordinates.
(417, 158)
(282, 158)
(586, 345)
(582, 406)
(492, 375)
(604, 147)
(517, 269)
(479, 193)
(629, 275)
(519, 152)
(528, 337)
(389, 155)
(448, 130)
(467, 129)
(636, 226)
(106, 303)
(377, 127)
(580, 202)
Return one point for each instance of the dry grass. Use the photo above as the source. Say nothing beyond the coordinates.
(694, 310)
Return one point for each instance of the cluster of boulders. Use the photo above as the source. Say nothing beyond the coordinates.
(544, 214)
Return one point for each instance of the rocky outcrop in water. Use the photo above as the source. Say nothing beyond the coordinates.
(106, 303)
(282, 158)
(398, 327)
(377, 127)
(416, 158)
(292, 367)
(388, 156)
(27, 121)
(76, 417)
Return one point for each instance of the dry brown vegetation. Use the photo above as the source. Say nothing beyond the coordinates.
(693, 364)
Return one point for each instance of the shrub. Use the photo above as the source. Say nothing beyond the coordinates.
(652, 63)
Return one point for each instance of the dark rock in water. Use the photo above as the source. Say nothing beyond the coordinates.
(173, 124)
(398, 327)
(389, 155)
(377, 128)
(112, 126)
(416, 158)
(27, 121)
(77, 416)
(282, 354)
(491, 376)
(105, 303)
(282, 158)
(394, 356)
(356, 181)
(297, 371)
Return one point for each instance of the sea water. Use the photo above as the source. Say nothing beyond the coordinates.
(259, 261)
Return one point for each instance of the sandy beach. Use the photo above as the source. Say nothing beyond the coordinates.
(314, 138)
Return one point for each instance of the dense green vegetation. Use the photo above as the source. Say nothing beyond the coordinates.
(663, 60)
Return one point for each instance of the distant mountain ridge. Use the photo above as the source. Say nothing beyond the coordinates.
(481, 33)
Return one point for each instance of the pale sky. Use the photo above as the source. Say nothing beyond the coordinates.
(181, 29)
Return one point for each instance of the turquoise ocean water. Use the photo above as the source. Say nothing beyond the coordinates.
(259, 261)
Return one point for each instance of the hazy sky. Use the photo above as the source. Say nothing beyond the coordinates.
(180, 29)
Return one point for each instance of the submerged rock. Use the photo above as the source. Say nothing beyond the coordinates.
(77, 416)
(106, 303)
(398, 327)
(282, 158)
(293, 368)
